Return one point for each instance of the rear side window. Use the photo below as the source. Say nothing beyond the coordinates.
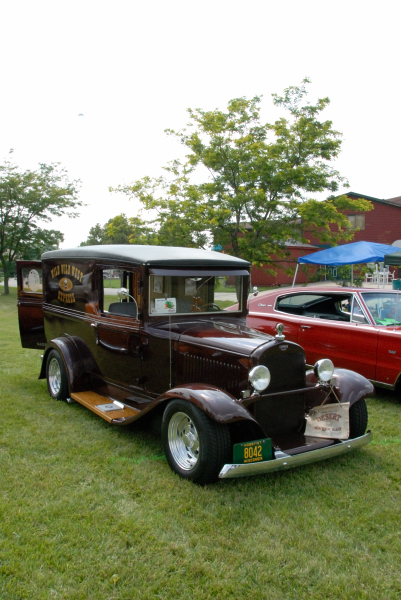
(298, 300)
(32, 280)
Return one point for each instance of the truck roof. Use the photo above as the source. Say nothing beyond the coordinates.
(150, 255)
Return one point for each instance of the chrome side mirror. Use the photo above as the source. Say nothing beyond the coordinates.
(122, 294)
(255, 291)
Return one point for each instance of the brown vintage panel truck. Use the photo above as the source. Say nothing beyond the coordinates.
(232, 401)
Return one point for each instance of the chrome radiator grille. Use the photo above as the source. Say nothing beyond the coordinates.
(287, 367)
(283, 413)
(199, 369)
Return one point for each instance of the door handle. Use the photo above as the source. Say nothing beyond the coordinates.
(94, 325)
(306, 327)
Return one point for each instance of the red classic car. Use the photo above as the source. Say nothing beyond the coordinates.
(359, 329)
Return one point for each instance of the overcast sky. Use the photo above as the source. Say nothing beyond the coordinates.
(133, 68)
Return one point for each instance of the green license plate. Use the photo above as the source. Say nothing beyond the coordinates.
(252, 452)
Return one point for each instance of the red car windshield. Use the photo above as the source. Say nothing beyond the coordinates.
(385, 308)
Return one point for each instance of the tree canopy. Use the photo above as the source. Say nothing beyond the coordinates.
(121, 230)
(27, 200)
(246, 185)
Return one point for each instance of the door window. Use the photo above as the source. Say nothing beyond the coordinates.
(114, 280)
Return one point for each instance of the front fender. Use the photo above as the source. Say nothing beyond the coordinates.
(78, 360)
(349, 385)
(219, 405)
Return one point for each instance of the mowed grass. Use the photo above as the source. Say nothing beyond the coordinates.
(89, 511)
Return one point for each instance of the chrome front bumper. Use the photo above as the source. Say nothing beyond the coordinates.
(285, 461)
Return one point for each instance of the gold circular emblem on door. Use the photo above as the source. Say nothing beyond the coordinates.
(66, 284)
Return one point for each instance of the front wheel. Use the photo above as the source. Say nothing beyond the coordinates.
(196, 447)
(358, 419)
(57, 381)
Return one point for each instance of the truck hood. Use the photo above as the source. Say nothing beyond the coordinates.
(222, 335)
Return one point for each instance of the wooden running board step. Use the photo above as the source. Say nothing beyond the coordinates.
(111, 411)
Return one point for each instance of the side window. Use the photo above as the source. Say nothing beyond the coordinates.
(298, 304)
(113, 280)
(32, 280)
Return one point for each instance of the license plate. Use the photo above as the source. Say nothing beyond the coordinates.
(251, 452)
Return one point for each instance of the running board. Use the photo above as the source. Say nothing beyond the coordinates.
(110, 410)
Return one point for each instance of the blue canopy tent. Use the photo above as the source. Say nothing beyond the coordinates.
(348, 254)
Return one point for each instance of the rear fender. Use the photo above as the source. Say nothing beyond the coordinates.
(350, 386)
(78, 361)
(214, 402)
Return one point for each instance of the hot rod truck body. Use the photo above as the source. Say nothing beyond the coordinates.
(130, 330)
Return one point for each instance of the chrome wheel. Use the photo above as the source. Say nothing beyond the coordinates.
(57, 380)
(196, 447)
(54, 377)
(183, 441)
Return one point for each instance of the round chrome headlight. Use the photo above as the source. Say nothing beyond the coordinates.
(259, 377)
(324, 369)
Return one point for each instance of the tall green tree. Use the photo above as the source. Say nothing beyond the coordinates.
(121, 230)
(96, 236)
(246, 184)
(29, 199)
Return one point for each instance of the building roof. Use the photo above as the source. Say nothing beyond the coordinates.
(392, 201)
(396, 201)
(149, 255)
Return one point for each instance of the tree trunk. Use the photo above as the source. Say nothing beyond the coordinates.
(5, 282)
(6, 287)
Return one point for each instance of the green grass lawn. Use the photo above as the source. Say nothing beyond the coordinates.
(112, 283)
(92, 512)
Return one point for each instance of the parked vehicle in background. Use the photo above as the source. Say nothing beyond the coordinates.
(233, 401)
(357, 328)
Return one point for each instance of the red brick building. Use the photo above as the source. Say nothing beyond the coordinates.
(261, 278)
(381, 225)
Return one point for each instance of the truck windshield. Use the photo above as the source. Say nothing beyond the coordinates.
(198, 294)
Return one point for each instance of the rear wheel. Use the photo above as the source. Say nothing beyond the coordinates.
(57, 381)
(358, 419)
(196, 447)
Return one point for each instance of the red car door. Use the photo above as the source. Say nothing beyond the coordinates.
(389, 355)
(349, 345)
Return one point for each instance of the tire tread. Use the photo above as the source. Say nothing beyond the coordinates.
(358, 418)
(215, 443)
